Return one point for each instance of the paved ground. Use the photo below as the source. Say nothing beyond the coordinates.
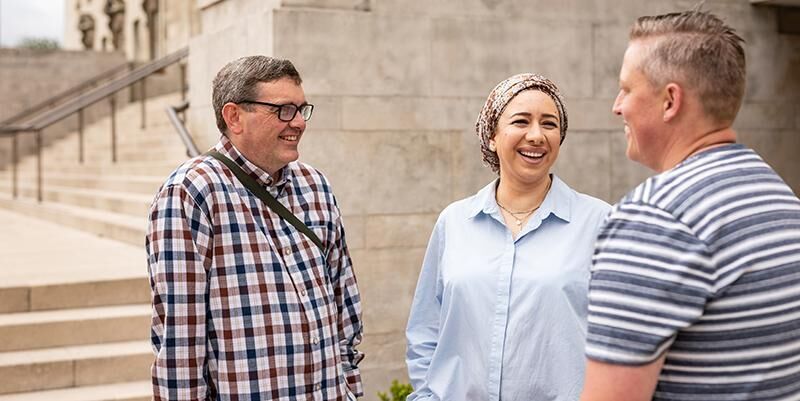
(36, 252)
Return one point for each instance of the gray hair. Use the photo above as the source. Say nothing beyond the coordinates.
(697, 49)
(237, 81)
(500, 97)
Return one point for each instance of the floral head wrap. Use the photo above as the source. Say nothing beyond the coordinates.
(499, 98)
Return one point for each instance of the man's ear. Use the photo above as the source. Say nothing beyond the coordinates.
(232, 115)
(673, 101)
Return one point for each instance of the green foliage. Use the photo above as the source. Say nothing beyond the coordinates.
(38, 44)
(398, 391)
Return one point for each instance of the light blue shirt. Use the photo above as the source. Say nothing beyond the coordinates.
(495, 317)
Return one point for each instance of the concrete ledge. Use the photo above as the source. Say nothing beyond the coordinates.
(32, 330)
(132, 391)
(74, 295)
(74, 366)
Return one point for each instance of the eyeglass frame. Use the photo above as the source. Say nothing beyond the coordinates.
(281, 106)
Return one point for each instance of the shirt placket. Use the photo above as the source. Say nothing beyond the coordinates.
(304, 294)
(500, 321)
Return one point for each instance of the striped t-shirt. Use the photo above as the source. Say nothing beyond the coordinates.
(703, 262)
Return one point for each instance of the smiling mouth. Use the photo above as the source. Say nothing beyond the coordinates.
(290, 138)
(531, 155)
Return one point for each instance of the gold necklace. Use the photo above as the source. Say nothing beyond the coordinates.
(524, 213)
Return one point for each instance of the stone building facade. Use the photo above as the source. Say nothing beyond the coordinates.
(142, 29)
(398, 84)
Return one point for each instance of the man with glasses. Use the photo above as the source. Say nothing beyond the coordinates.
(248, 305)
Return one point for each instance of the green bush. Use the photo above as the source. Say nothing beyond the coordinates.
(38, 44)
(398, 391)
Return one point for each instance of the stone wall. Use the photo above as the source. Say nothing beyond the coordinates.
(28, 77)
(398, 84)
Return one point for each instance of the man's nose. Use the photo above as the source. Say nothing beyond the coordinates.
(615, 108)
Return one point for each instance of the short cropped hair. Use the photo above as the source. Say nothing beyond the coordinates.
(237, 81)
(697, 49)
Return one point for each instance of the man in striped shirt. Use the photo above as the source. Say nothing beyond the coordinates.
(695, 290)
(245, 305)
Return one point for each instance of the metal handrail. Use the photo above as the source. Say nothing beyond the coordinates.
(78, 104)
(180, 127)
(81, 102)
(50, 101)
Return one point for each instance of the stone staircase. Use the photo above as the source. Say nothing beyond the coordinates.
(99, 196)
(74, 313)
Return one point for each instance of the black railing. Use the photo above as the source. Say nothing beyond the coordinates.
(77, 104)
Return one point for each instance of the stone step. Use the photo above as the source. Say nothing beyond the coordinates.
(105, 224)
(136, 205)
(74, 366)
(71, 146)
(160, 168)
(129, 119)
(129, 391)
(104, 157)
(144, 185)
(129, 130)
(46, 329)
(79, 294)
(99, 137)
(70, 151)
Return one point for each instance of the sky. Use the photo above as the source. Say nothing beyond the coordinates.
(31, 18)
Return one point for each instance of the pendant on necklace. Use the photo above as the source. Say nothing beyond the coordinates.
(519, 223)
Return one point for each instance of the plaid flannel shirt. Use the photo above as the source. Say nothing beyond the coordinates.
(246, 307)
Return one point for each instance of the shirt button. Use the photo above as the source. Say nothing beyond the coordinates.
(303, 292)
(287, 251)
(315, 340)
(317, 386)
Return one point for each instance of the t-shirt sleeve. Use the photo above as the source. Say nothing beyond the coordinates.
(651, 278)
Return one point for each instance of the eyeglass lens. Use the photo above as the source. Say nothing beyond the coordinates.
(287, 112)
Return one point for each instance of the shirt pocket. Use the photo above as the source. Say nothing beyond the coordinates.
(320, 258)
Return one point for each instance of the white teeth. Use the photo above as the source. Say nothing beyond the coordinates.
(532, 154)
(290, 138)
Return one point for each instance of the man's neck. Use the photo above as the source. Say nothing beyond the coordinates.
(707, 139)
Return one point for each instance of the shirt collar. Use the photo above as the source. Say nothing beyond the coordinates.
(558, 201)
(226, 147)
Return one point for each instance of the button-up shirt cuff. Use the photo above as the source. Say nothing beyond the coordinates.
(354, 382)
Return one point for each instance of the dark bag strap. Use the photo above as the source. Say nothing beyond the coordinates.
(265, 196)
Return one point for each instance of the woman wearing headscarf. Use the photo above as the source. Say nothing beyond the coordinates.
(500, 307)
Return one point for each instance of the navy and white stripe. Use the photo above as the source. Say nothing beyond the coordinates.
(703, 262)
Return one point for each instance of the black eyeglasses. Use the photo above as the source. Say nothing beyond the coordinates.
(286, 112)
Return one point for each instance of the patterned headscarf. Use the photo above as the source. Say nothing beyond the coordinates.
(499, 98)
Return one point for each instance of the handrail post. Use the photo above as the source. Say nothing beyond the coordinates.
(113, 102)
(14, 160)
(131, 89)
(144, 106)
(39, 165)
(80, 136)
(182, 68)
